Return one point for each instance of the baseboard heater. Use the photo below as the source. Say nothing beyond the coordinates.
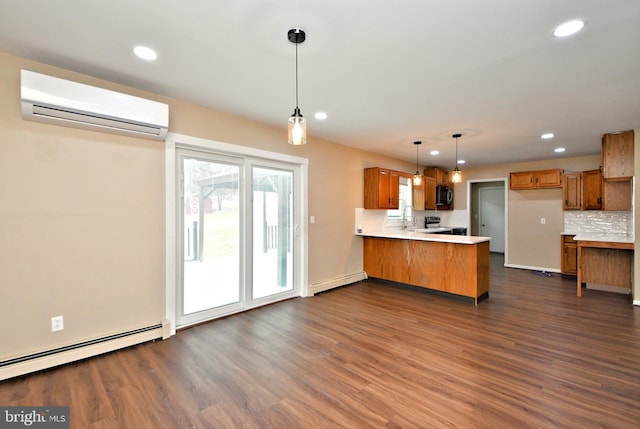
(340, 281)
(49, 358)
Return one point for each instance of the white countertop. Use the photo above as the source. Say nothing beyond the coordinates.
(603, 236)
(412, 235)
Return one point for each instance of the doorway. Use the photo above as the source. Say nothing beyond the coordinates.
(237, 239)
(491, 216)
(210, 221)
(488, 212)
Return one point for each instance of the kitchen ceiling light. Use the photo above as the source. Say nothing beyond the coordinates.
(297, 123)
(457, 174)
(559, 149)
(321, 116)
(145, 53)
(568, 28)
(435, 152)
(547, 136)
(417, 178)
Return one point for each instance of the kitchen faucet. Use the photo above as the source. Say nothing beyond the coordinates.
(404, 218)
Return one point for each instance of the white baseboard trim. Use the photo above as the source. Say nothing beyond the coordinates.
(339, 281)
(636, 302)
(526, 267)
(63, 355)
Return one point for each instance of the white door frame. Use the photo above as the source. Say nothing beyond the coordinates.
(301, 228)
(505, 182)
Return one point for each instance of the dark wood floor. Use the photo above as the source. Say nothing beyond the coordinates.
(373, 355)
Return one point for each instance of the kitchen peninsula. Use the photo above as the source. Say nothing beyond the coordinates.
(455, 264)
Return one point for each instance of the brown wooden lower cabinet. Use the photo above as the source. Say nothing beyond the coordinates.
(460, 269)
(569, 262)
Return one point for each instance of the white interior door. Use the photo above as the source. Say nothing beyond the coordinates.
(491, 219)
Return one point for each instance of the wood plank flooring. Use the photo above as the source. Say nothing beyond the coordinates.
(373, 355)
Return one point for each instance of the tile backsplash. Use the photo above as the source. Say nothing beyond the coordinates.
(574, 221)
(598, 221)
(376, 220)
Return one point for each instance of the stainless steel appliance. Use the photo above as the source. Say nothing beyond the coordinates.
(459, 231)
(444, 195)
(433, 223)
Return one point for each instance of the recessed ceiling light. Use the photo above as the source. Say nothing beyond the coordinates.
(547, 136)
(568, 28)
(559, 149)
(145, 53)
(435, 152)
(320, 116)
(461, 161)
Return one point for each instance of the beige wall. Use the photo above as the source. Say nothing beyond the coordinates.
(529, 243)
(82, 215)
(636, 201)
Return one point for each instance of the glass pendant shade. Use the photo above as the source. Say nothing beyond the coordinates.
(457, 175)
(297, 128)
(417, 179)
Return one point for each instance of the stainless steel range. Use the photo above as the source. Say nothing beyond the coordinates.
(433, 222)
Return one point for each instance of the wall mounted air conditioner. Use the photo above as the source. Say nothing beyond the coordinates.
(63, 102)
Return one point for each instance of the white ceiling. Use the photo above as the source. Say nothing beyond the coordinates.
(386, 72)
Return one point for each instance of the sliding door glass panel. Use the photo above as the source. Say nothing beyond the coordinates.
(272, 232)
(211, 235)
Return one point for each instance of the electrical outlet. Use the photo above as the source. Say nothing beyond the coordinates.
(57, 323)
(543, 221)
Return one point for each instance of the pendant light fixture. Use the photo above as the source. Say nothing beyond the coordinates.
(457, 174)
(297, 123)
(417, 178)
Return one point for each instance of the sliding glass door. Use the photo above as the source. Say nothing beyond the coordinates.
(211, 235)
(272, 232)
(237, 223)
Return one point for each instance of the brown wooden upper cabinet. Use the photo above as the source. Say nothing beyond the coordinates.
(429, 193)
(440, 175)
(617, 170)
(381, 188)
(617, 155)
(538, 179)
(424, 195)
(582, 190)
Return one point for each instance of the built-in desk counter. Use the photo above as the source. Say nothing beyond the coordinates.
(605, 259)
(455, 264)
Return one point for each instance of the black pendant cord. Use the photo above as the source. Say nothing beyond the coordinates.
(456, 152)
(417, 171)
(297, 107)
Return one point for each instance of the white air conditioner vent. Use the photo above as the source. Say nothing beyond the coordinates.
(63, 102)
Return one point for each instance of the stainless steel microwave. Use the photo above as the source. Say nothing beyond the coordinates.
(444, 195)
